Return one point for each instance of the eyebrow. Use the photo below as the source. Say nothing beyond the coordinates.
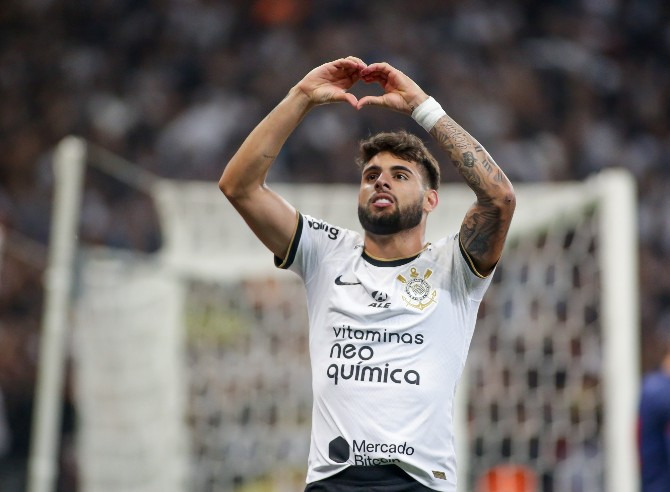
(396, 167)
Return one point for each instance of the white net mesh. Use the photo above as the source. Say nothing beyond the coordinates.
(534, 376)
(250, 391)
(129, 377)
(535, 366)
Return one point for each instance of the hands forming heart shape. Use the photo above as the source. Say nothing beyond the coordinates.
(330, 83)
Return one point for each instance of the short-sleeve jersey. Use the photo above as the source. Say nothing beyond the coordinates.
(388, 342)
(654, 432)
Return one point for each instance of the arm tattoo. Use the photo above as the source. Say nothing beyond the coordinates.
(479, 229)
(470, 159)
(447, 132)
(485, 225)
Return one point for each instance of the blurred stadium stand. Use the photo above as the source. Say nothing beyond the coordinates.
(556, 90)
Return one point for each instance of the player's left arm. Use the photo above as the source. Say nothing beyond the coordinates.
(486, 223)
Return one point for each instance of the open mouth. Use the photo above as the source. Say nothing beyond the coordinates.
(382, 201)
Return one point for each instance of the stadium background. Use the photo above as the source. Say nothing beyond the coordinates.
(556, 90)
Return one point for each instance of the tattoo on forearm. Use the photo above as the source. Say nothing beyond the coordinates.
(468, 159)
(463, 150)
(455, 135)
(485, 225)
(269, 156)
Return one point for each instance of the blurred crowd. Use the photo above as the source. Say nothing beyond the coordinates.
(556, 90)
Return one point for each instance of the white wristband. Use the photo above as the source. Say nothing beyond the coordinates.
(427, 113)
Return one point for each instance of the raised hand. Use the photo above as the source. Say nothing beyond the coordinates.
(401, 93)
(330, 82)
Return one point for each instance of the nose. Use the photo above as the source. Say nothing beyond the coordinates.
(382, 182)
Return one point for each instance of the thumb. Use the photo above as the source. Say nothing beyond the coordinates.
(340, 96)
(351, 99)
(370, 101)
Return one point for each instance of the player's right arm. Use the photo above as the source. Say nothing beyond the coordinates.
(270, 217)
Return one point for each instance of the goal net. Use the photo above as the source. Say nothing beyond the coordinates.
(191, 365)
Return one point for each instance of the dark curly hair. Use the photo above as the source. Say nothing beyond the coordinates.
(403, 145)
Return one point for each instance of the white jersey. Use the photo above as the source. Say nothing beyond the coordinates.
(388, 342)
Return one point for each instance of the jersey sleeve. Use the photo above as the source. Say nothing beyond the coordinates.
(654, 431)
(464, 278)
(312, 241)
(476, 283)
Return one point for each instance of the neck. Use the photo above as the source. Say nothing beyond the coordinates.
(400, 245)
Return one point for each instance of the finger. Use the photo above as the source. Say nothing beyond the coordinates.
(370, 101)
(351, 99)
(344, 96)
(358, 61)
(350, 63)
(347, 68)
(382, 68)
(375, 77)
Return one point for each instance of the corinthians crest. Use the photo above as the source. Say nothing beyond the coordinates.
(419, 293)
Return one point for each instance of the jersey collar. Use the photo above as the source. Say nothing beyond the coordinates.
(391, 262)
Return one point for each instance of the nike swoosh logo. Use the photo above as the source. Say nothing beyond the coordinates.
(338, 281)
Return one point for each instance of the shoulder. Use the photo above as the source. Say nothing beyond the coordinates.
(315, 239)
(446, 250)
(332, 232)
(655, 381)
(656, 388)
(328, 232)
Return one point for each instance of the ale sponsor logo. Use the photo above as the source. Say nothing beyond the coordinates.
(380, 299)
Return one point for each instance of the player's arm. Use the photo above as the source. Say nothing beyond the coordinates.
(486, 223)
(268, 215)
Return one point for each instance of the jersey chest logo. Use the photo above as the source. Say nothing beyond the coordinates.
(418, 292)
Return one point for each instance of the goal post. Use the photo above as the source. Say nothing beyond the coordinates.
(619, 298)
(192, 368)
(69, 162)
(553, 371)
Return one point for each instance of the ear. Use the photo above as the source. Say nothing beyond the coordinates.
(430, 200)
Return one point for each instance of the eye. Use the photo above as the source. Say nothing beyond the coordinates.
(370, 177)
(401, 176)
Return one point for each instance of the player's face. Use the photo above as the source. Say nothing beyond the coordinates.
(392, 197)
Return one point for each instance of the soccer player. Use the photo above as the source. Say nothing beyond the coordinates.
(391, 316)
(654, 424)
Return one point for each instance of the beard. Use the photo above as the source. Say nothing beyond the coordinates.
(390, 223)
